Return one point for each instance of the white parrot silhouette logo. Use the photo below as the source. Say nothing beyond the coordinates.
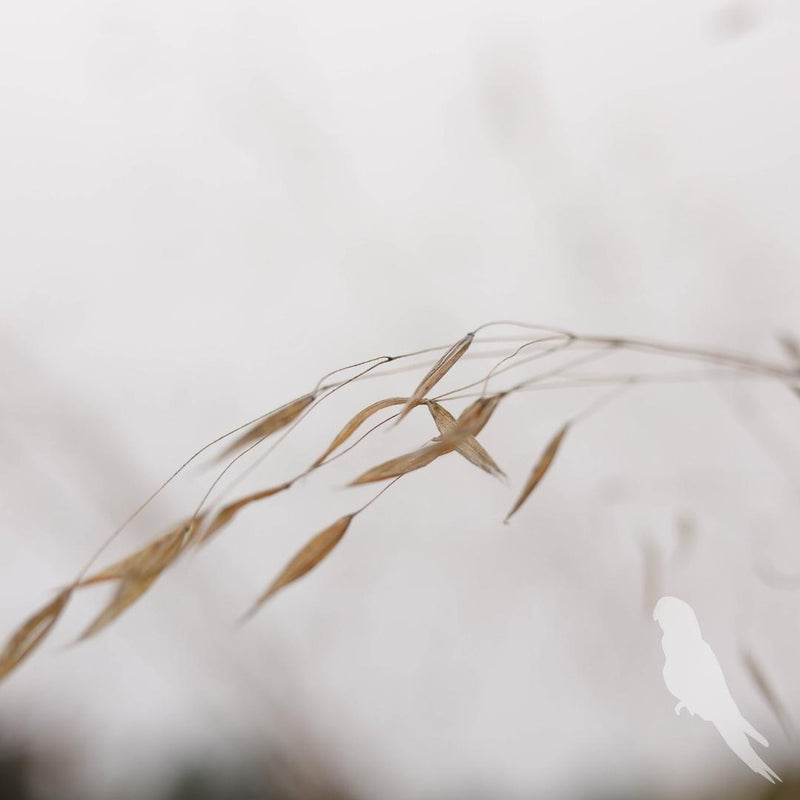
(693, 675)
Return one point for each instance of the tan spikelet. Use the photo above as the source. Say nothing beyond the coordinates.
(228, 512)
(270, 424)
(437, 372)
(128, 592)
(307, 558)
(409, 462)
(542, 465)
(31, 633)
(138, 572)
(355, 423)
(155, 556)
(470, 448)
(474, 417)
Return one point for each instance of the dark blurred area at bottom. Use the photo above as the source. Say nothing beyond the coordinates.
(23, 773)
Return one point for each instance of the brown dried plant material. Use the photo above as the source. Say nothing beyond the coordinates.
(155, 556)
(139, 571)
(307, 558)
(437, 372)
(542, 465)
(31, 633)
(355, 423)
(408, 462)
(131, 588)
(474, 417)
(228, 512)
(470, 448)
(270, 424)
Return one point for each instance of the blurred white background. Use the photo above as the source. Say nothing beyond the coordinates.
(207, 205)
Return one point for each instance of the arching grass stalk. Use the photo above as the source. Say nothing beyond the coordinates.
(522, 353)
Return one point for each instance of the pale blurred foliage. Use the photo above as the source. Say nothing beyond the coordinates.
(207, 205)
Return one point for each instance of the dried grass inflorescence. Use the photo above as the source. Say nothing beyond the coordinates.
(454, 434)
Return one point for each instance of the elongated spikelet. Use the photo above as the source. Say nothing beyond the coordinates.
(409, 462)
(270, 424)
(437, 372)
(156, 555)
(138, 572)
(539, 470)
(128, 592)
(228, 512)
(473, 418)
(355, 423)
(31, 633)
(307, 558)
(470, 448)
